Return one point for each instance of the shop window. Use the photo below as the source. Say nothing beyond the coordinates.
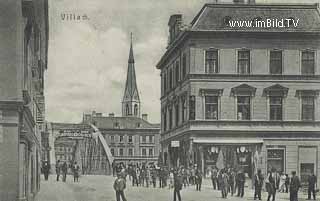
(275, 159)
(211, 107)
(276, 62)
(275, 108)
(244, 107)
(211, 61)
(307, 62)
(244, 62)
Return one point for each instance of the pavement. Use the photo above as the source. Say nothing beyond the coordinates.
(100, 188)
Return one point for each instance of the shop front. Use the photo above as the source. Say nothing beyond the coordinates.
(241, 154)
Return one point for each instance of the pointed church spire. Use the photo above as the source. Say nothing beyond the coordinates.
(131, 58)
(131, 100)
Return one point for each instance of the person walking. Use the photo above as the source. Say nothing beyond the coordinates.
(119, 186)
(241, 182)
(76, 170)
(294, 186)
(46, 170)
(198, 176)
(258, 182)
(225, 184)
(231, 180)
(177, 186)
(58, 169)
(214, 178)
(271, 185)
(64, 169)
(287, 183)
(312, 183)
(282, 183)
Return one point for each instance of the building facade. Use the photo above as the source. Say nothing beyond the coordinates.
(242, 97)
(24, 46)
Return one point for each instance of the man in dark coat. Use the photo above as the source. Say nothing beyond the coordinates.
(294, 187)
(241, 181)
(271, 184)
(46, 170)
(119, 186)
(58, 169)
(64, 169)
(177, 186)
(214, 178)
(312, 182)
(258, 182)
(198, 176)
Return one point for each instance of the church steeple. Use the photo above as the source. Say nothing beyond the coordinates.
(131, 100)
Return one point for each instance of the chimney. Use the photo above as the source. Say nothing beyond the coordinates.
(111, 114)
(174, 24)
(145, 117)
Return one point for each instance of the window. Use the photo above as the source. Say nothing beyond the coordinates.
(112, 138)
(144, 139)
(275, 159)
(184, 108)
(177, 113)
(308, 62)
(244, 62)
(211, 57)
(211, 107)
(120, 152)
(144, 152)
(150, 139)
(130, 139)
(127, 109)
(177, 72)
(184, 66)
(170, 118)
(275, 108)
(276, 62)
(112, 151)
(164, 82)
(135, 110)
(192, 111)
(243, 106)
(164, 113)
(307, 107)
(121, 138)
(130, 152)
(170, 79)
(150, 152)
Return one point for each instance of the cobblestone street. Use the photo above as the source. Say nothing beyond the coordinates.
(99, 188)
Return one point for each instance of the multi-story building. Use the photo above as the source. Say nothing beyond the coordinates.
(23, 60)
(243, 97)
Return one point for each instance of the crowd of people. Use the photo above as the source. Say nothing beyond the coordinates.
(62, 169)
(226, 180)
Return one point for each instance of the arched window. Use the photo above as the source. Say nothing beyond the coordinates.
(135, 110)
(127, 110)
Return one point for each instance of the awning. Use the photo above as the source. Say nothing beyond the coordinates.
(227, 140)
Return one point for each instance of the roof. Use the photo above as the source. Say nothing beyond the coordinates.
(56, 126)
(123, 123)
(212, 17)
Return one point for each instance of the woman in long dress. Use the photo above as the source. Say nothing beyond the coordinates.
(282, 183)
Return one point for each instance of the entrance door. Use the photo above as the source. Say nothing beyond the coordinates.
(307, 163)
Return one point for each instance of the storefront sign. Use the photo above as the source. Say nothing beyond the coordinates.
(175, 143)
(75, 133)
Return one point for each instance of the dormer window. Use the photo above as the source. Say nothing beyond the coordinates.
(174, 26)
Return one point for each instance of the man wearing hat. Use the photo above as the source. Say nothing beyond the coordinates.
(119, 186)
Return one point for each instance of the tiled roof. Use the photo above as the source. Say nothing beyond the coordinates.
(212, 16)
(123, 123)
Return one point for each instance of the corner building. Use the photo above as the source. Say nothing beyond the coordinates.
(23, 61)
(242, 97)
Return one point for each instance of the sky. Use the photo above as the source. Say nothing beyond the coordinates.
(88, 58)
